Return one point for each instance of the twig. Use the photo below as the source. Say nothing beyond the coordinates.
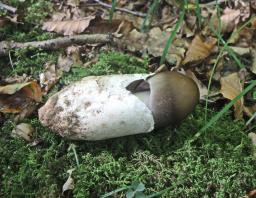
(52, 44)
(212, 3)
(7, 7)
(120, 9)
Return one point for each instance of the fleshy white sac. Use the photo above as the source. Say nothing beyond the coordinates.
(97, 108)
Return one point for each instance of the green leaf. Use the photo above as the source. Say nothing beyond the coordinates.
(130, 194)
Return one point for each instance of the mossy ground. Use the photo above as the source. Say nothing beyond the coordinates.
(218, 164)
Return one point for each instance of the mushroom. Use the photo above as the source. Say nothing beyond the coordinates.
(171, 96)
(103, 107)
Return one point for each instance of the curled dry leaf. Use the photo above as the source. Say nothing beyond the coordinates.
(252, 136)
(68, 27)
(52, 73)
(16, 97)
(252, 193)
(64, 63)
(231, 87)
(202, 88)
(69, 184)
(154, 44)
(199, 49)
(73, 57)
(241, 50)
(253, 68)
(253, 4)
(3, 22)
(229, 19)
(49, 77)
(24, 131)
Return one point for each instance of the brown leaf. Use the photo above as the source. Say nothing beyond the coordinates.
(68, 27)
(199, 49)
(52, 72)
(202, 88)
(231, 87)
(24, 131)
(33, 91)
(3, 22)
(49, 77)
(229, 19)
(73, 57)
(13, 88)
(253, 67)
(16, 97)
(252, 193)
(69, 184)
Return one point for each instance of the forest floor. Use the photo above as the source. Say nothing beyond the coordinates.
(166, 163)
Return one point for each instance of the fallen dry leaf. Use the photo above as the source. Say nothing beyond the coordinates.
(202, 88)
(231, 87)
(69, 184)
(229, 20)
(13, 88)
(52, 73)
(199, 49)
(68, 27)
(252, 194)
(24, 131)
(253, 4)
(16, 97)
(153, 43)
(73, 57)
(3, 22)
(252, 136)
(49, 77)
(241, 50)
(156, 43)
(253, 68)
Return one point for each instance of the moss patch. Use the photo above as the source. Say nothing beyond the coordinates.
(218, 164)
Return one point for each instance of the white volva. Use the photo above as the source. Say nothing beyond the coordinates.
(96, 108)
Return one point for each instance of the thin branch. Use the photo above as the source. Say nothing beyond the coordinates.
(119, 9)
(212, 3)
(57, 43)
(7, 7)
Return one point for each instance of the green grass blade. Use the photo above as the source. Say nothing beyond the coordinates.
(198, 14)
(225, 47)
(112, 10)
(173, 34)
(225, 109)
(251, 119)
(115, 191)
(148, 19)
(158, 194)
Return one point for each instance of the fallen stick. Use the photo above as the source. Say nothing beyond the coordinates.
(6, 46)
(8, 8)
(212, 3)
(120, 9)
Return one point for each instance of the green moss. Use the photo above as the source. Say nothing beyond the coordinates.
(108, 63)
(38, 11)
(34, 13)
(27, 61)
(218, 164)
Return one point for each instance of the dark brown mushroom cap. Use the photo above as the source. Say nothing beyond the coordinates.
(172, 97)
